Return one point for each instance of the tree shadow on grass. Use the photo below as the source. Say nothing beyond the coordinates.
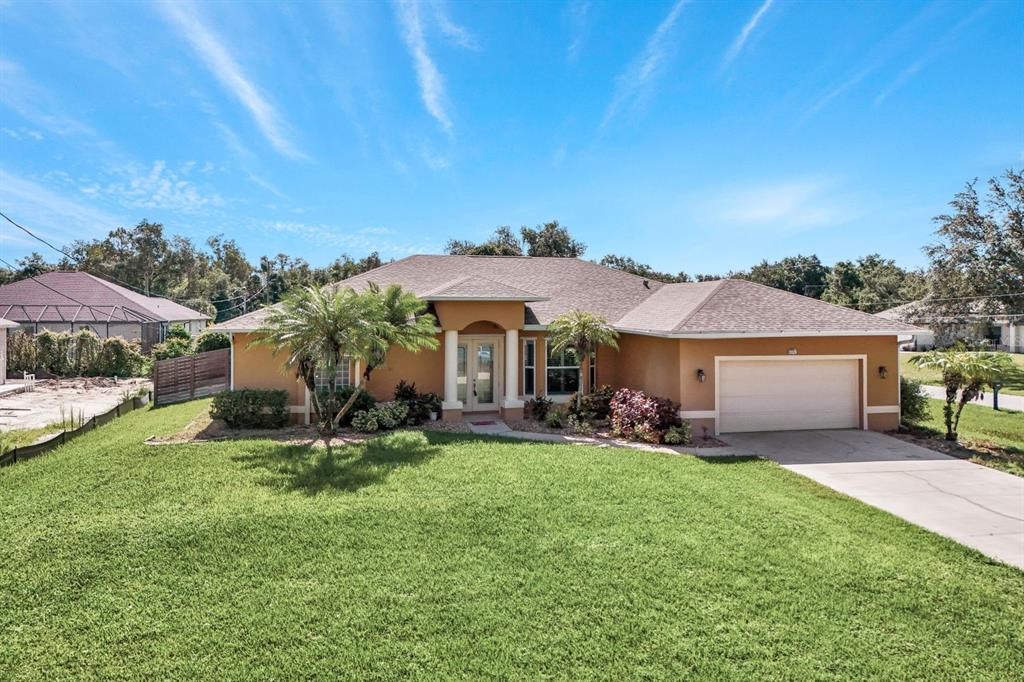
(728, 459)
(340, 468)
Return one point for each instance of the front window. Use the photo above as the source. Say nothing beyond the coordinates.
(563, 372)
(343, 375)
(529, 367)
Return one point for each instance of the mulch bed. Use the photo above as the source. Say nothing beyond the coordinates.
(204, 429)
(601, 430)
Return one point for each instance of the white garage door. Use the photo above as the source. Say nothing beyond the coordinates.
(786, 395)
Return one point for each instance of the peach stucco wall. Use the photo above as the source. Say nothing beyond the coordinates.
(425, 368)
(646, 363)
(461, 314)
(258, 367)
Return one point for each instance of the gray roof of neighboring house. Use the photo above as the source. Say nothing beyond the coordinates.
(552, 286)
(81, 297)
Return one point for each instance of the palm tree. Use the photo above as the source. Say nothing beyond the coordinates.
(408, 326)
(581, 332)
(964, 374)
(318, 328)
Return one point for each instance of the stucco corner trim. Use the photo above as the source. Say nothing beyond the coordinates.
(883, 409)
(697, 414)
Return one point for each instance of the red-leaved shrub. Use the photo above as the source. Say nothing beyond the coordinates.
(639, 416)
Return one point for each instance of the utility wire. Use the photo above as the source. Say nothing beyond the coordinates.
(78, 262)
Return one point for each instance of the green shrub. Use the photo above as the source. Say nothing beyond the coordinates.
(579, 425)
(679, 435)
(539, 407)
(553, 419)
(120, 358)
(390, 415)
(178, 331)
(251, 408)
(21, 352)
(365, 421)
(211, 341)
(419, 405)
(85, 352)
(364, 402)
(595, 405)
(913, 401)
(173, 347)
(53, 352)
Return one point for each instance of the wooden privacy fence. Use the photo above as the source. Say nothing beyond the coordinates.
(191, 376)
(29, 451)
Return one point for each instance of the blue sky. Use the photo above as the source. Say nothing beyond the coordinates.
(693, 136)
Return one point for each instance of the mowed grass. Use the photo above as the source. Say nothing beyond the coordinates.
(446, 556)
(981, 428)
(1013, 385)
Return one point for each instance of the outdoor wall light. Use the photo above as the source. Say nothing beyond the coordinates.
(701, 376)
(883, 372)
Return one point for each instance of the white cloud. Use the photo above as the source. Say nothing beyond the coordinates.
(578, 15)
(212, 50)
(452, 31)
(36, 104)
(156, 187)
(744, 34)
(358, 241)
(429, 78)
(791, 205)
(49, 214)
(632, 84)
(22, 134)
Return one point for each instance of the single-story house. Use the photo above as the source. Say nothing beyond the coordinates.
(1003, 331)
(71, 301)
(736, 356)
(4, 326)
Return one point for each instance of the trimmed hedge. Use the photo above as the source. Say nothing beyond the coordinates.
(251, 408)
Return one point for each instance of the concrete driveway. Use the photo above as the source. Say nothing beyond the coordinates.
(974, 505)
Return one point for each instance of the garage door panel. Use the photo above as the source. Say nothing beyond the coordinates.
(778, 395)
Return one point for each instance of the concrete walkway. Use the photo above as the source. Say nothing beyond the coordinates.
(1008, 402)
(974, 505)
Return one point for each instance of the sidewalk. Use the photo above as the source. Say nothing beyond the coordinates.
(1008, 402)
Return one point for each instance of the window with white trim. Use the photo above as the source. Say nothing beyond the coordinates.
(343, 375)
(529, 367)
(563, 372)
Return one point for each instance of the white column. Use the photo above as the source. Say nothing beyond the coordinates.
(512, 369)
(357, 367)
(451, 371)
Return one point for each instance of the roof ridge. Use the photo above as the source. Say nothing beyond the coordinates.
(718, 285)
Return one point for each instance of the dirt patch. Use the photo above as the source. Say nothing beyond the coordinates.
(601, 430)
(54, 400)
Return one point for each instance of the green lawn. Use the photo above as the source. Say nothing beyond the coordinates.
(1014, 384)
(446, 556)
(982, 426)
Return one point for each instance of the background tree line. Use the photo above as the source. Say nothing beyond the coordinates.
(976, 265)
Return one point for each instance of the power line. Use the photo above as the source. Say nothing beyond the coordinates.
(978, 297)
(78, 262)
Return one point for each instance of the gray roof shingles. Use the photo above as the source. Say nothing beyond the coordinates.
(627, 301)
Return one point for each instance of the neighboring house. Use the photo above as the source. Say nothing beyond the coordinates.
(736, 355)
(71, 301)
(1003, 332)
(4, 326)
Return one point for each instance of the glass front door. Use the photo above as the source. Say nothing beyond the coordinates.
(479, 374)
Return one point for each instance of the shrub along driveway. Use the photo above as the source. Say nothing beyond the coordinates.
(454, 556)
(972, 504)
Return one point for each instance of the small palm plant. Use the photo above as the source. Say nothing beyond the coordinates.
(964, 374)
(317, 329)
(581, 332)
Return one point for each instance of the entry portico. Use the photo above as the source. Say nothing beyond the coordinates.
(480, 322)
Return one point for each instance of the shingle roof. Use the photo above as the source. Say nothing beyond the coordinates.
(627, 301)
(81, 297)
(471, 287)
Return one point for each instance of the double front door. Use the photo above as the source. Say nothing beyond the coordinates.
(480, 371)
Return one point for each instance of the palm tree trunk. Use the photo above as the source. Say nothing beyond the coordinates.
(347, 406)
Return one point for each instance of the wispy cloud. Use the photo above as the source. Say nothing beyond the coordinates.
(429, 78)
(49, 213)
(154, 186)
(877, 57)
(38, 105)
(577, 14)
(363, 240)
(22, 134)
(458, 35)
(934, 50)
(214, 53)
(744, 35)
(632, 85)
(788, 205)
